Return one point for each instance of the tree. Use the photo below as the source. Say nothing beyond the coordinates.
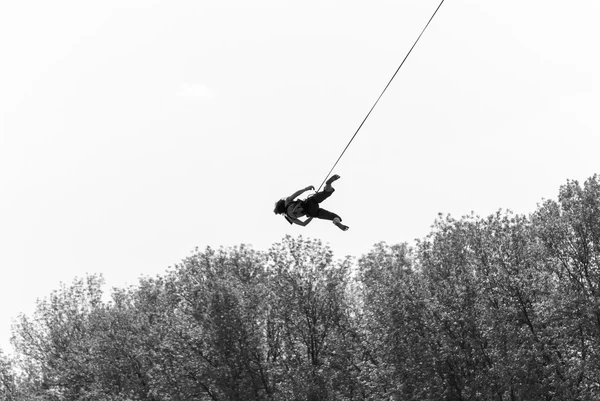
(8, 387)
(219, 323)
(488, 296)
(56, 344)
(397, 331)
(569, 233)
(308, 311)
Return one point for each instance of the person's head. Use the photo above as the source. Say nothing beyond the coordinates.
(279, 207)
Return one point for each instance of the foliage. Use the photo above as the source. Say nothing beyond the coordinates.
(7, 379)
(505, 307)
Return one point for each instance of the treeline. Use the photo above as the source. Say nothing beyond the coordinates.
(505, 307)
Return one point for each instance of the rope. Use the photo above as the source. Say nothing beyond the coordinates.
(384, 89)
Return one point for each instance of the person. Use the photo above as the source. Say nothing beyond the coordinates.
(293, 209)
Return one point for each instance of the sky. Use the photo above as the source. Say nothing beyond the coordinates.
(134, 131)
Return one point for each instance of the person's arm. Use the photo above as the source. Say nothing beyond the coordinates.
(298, 193)
(300, 222)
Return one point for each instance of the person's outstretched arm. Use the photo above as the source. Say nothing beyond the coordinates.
(298, 193)
(308, 220)
(300, 222)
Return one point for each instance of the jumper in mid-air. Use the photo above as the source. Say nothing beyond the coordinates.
(294, 209)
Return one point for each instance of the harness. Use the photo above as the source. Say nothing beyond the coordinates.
(286, 215)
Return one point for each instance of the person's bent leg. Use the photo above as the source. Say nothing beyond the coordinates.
(328, 187)
(321, 196)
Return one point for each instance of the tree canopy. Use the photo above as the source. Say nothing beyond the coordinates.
(503, 307)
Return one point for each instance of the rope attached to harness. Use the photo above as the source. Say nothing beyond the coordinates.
(384, 89)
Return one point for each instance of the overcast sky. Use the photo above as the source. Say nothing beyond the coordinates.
(133, 131)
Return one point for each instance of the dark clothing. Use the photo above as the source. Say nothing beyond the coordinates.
(312, 209)
(327, 215)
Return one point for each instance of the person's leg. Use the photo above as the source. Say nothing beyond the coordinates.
(327, 215)
(311, 208)
(328, 187)
(328, 190)
(321, 196)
